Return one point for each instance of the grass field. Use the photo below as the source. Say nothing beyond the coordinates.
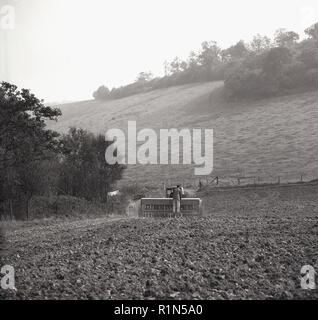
(251, 244)
(270, 137)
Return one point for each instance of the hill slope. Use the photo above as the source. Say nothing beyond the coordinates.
(267, 138)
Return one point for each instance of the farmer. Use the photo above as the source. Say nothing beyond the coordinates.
(177, 195)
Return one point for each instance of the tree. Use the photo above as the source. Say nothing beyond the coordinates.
(32, 179)
(309, 57)
(312, 32)
(23, 133)
(144, 76)
(210, 53)
(275, 60)
(260, 44)
(84, 171)
(24, 142)
(177, 66)
(284, 38)
(238, 51)
(193, 60)
(102, 93)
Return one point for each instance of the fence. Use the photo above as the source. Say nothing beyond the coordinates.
(237, 180)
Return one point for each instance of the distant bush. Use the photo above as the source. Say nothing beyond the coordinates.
(260, 69)
(65, 207)
(278, 71)
(102, 93)
(248, 83)
(211, 64)
(36, 161)
(311, 78)
(83, 171)
(309, 57)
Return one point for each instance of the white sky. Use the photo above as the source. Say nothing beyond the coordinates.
(65, 49)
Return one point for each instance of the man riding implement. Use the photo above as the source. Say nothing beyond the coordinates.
(177, 196)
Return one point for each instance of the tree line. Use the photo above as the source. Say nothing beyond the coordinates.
(288, 66)
(260, 68)
(36, 161)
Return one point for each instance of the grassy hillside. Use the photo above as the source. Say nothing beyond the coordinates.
(270, 137)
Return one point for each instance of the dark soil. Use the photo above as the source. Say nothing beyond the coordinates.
(252, 246)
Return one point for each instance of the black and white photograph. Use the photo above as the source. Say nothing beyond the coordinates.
(161, 152)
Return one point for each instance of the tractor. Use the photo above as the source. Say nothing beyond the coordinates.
(163, 207)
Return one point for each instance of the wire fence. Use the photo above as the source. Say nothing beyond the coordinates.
(238, 180)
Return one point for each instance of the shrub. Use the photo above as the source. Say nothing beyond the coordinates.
(277, 71)
(248, 84)
(102, 93)
(311, 78)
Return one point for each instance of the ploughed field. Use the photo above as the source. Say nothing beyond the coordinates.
(250, 245)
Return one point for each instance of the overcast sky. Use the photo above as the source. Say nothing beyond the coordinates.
(65, 49)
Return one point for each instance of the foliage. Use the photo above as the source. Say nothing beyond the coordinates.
(24, 143)
(260, 44)
(23, 133)
(144, 76)
(284, 38)
(238, 51)
(271, 59)
(35, 161)
(312, 31)
(84, 171)
(288, 67)
(102, 93)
